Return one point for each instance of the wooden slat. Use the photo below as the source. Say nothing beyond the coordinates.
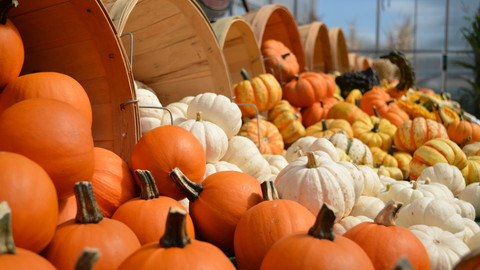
(26, 6)
(148, 12)
(102, 114)
(95, 89)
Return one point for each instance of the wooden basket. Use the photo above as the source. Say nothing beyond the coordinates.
(77, 38)
(364, 62)
(339, 50)
(239, 46)
(277, 22)
(175, 51)
(353, 61)
(316, 45)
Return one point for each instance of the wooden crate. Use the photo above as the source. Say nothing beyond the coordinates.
(316, 45)
(239, 46)
(77, 38)
(339, 50)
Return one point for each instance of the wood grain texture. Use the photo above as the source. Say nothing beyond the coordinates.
(316, 45)
(338, 47)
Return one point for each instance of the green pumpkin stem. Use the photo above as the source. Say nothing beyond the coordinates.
(323, 227)
(269, 191)
(312, 161)
(375, 111)
(199, 117)
(357, 102)
(324, 125)
(87, 207)
(388, 187)
(392, 150)
(176, 234)
(321, 103)
(296, 116)
(297, 77)
(148, 187)
(189, 188)
(5, 7)
(375, 127)
(285, 55)
(466, 141)
(245, 75)
(386, 216)
(87, 258)
(7, 245)
(391, 101)
(403, 264)
(378, 165)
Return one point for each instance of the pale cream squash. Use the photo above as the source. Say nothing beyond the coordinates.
(368, 206)
(342, 155)
(446, 174)
(471, 228)
(302, 143)
(219, 166)
(276, 161)
(358, 152)
(474, 241)
(408, 194)
(186, 99)
(349, 222)
(464, 209)
(471, 194)
(472, 149)
(372, 181)
(357, 177)
(179, 113)
(320, 146)
(267, 177)
(383, 195)
(149, 118)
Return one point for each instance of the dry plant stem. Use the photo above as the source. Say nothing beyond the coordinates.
(148, 187)
(87, 207)
(390, 101)
(88, 258)
(7, 245)
(375, 127)
(357, 102)
(323, 227)
(324, 125)
(386, 216)
(467, 140)
(403, 264)
(176, 234)
(376, 112)
(5, 7)
(269, 191)
(199, 117)
(312, 161)
(189, 188)
(245, 75)
(392, 150)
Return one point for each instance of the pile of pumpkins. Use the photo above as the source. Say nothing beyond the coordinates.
(199, 190)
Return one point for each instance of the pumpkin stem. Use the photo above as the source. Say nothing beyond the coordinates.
(324, 125)
(388, 187)
(88, 258)
(7, 245)
(199, 117)
(297, 77)
(189, 188)
(323, 227)
(148, 187)
(386, 216)
(269, 191)
(298, 150)
(375, 111)
(312, 161)
(87, 207)
(321, 103)
(391, 101)
(402, 264)
(285, 55)
(245, 75)
(392, 150)
(466, 141)
(415, 185)
(378, 165)
(176, 234)
(427, 181)
(375, 127)
(5, 7)
(357, 102)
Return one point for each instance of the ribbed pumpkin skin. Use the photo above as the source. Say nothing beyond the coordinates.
(437, 151)
(301, 251)
(289, 64)
(24, 260)
(263, 91)
(382, 157)
(12, 53)
(67, 209)
(47, 85)
(32, 198)
(308, 88)
(458, 131)
(362, 129)
(114, 240)
(330, 81)
(414, 133)
(318, 111)
(283, 117)
(472, 149)
(225, 198)
(471, 172)
(396, 116)
(53, 134)
(346, 111)
(263, 225)
(333, 125)
(377, 97)
(384, 245)
(271, 139)
(163, 149)
(197, 255)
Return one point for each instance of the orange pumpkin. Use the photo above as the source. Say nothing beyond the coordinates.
(47, 85)
(288, 217)
(283, 58)
(328, 103)
(218, 203)
(112, 181)
(263, 91)
(90, 229)
(165, 148)
(283, 116)
(346, 111)
(147, 215)
(312, 114)
(386, 243)
(319, 248)
(16, 258)
(177, 250)
(271, 141)
(32, 198)
(396, 116)
(67, 209)
(414, 133)
(12, 52)
(330, 81)
(459, 131)
(305, 89)
(330, 126)
(380, 99)
(53, 134)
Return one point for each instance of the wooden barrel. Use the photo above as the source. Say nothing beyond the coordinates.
(277, 22)
(316, 45)
(77, 38)
(239, 46)
(175, 51)
(353, 61)
(339, 50)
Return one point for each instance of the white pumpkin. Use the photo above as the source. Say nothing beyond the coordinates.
(471, 228)
(186, 99)
(387, 180)
(368, 206)
(464, 209)
(149, 118)
(326, 146)
(342, 155)
(312, 181)
(446, 174)
(471, 149)
(372, 181)
(217, 109)
(443, 248)
(474, 241)
(303, 143)
(267, 177)
(357, 177)
(219, 167)
(179, 112)
(471, 194)
(244, 153)
(432, 212)
(383, 194)
(358, 151)
(408, 194)
(212, 138)
(276, 161)
(349, 222)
